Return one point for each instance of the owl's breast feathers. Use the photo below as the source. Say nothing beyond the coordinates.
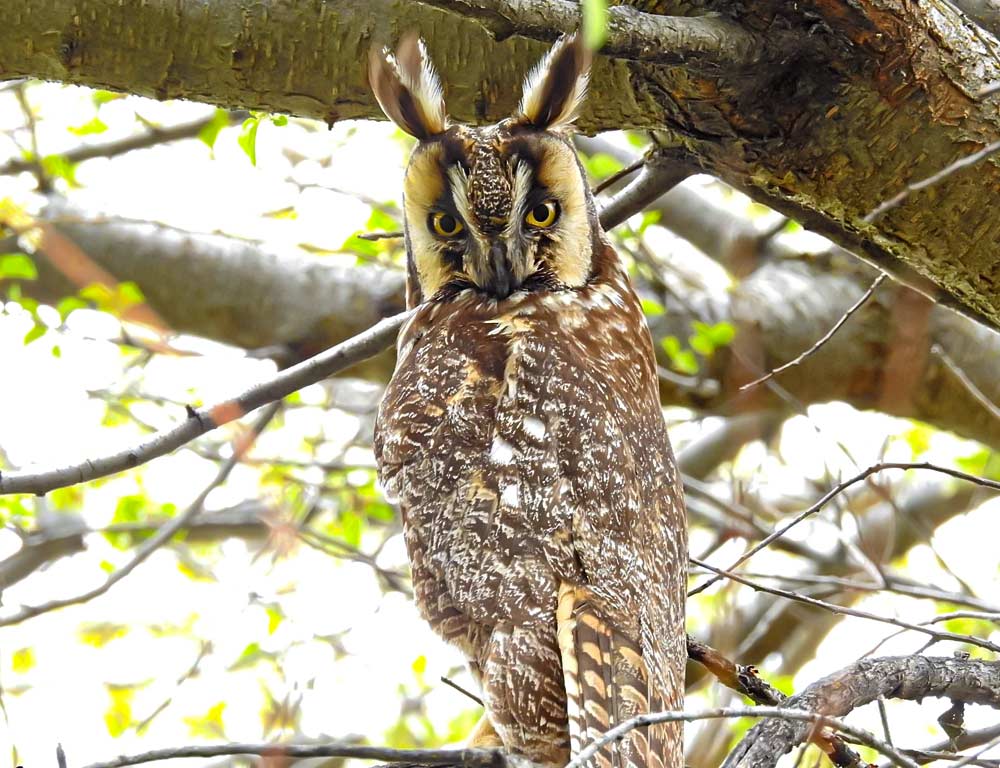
(525, 443)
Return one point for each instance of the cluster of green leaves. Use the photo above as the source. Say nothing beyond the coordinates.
(248, 132)
(705, 340)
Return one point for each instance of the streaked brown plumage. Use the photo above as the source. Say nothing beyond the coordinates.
(522, 432)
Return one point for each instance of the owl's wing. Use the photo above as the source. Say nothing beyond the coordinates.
(621, 614)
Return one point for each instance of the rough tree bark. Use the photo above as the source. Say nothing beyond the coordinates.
(821, 109)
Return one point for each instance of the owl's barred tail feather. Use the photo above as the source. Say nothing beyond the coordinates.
(606, 683)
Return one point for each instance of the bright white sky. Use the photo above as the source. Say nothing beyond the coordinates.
(46, 416)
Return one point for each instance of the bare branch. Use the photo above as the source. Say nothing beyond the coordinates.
(911, 677)
(162, 536)
(777, 713)
(466, 758)
(837, 490)
(150, 138)
(844, 611)
(825, 338)
(966, 382)
(202, 420)
(661, 172)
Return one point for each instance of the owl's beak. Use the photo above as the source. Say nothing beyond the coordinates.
(502, 280)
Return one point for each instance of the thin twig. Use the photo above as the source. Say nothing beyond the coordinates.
(460, 689)
(826, 337)
(34, 163)
(884, 717)
(845, 611)
(836, 491)
(640, 721)
(379, 235)
(940, 749)
(892, 584)
(966, 382)
(118, 147)
(202, 420)
(161, 537)
(617, 176)
(963, 162)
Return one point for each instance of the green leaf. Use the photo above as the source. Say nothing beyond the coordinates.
(118, 716)
(22, 660)
(708, 338)
(248, 137)
(651, 308)
(380, 220)
(601, 165)
(419, 666)
(350, 528)
(649, 218)
(250, 656)
(113, 300)
(702, 346)
(274, 618)
(279, 120)
(984, 462)
(60, 167)
(68, 305)
(595, 23)
(17, 266)
(720, 334)
(34, 334)
(210, 131)
(92, 126)
(681, 359)
(103, 97)
(100, 634)
(208, 725)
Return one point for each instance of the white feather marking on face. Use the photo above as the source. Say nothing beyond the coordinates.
(511, 496)
(460, 194)
(522, 186)
(501, 452)
(534, 427)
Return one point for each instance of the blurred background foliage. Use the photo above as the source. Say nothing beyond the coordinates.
(158, 256)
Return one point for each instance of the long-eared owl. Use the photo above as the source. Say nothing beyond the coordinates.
(521, 431)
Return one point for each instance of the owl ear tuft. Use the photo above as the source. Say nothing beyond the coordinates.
(557, 86)
(408, 89)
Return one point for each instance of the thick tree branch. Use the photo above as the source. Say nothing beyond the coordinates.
(911, 677)
(631, 34)
(841, 111)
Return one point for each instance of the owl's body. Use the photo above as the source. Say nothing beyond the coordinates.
(522, 436)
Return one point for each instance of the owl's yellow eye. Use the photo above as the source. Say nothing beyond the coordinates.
(543, 215)
(445, 225)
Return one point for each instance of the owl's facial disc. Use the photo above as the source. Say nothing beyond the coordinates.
(497, 210)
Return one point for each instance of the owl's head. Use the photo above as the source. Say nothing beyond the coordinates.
(500, 208)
